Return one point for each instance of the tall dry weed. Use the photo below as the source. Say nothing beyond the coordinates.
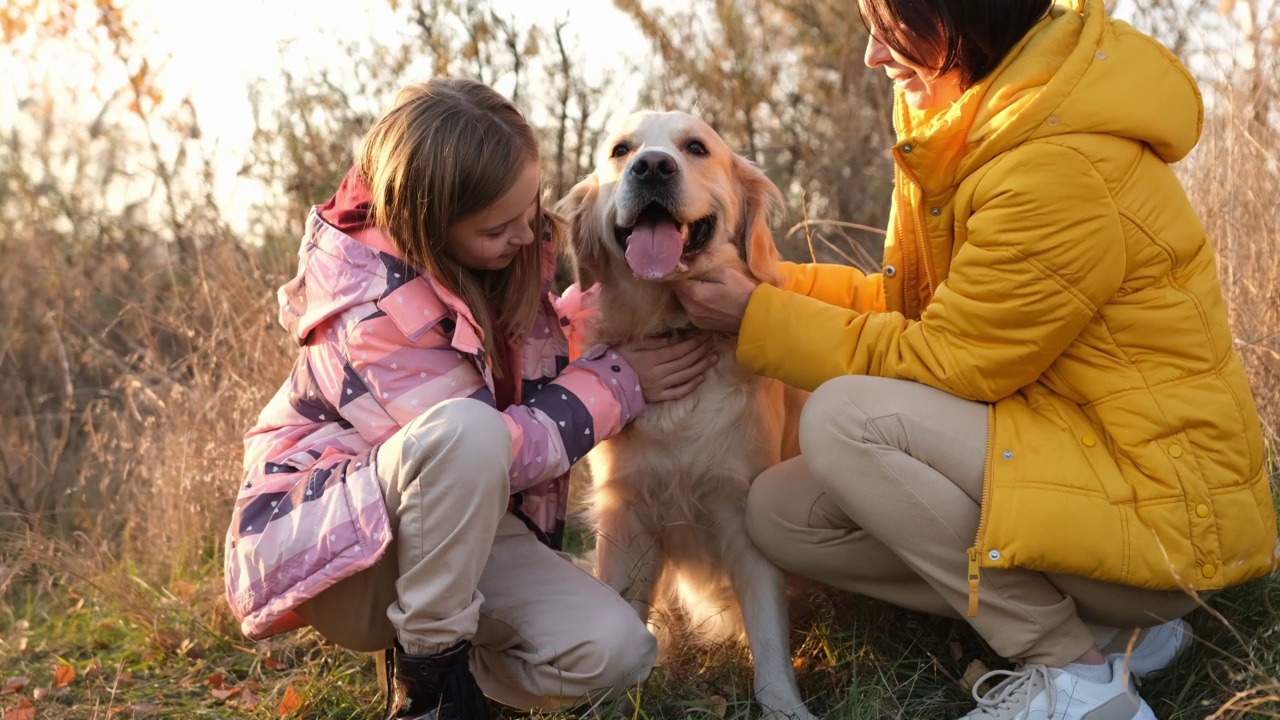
(131, 364)
(1233, 179)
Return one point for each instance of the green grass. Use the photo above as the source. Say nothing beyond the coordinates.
(150, 650)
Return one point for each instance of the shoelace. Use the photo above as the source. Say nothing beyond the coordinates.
(1017, 682)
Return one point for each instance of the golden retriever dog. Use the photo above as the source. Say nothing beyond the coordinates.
(668, 199)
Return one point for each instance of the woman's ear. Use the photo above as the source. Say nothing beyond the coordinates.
(584, 250)
(760, 199)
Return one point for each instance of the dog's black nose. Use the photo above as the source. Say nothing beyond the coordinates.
(653, 165)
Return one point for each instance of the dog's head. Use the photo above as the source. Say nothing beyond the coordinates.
(669, 199)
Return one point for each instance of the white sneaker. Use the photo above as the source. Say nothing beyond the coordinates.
(1155, 650)
(1037, 692)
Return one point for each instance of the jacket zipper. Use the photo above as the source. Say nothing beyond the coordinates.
(983, 512)
(924, 248)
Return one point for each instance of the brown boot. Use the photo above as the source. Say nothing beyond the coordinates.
(433, 687)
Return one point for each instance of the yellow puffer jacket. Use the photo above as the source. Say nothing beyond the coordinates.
(1042, 257)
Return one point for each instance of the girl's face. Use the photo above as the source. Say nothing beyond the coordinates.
(922, 88)
(490, 239)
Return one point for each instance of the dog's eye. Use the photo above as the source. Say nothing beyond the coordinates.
(695, 147)
(620, 150)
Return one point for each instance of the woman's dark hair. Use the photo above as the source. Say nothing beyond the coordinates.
(971, 36)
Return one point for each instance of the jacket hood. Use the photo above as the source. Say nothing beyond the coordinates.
(336, 272)
(1076, 71)
(345, 261)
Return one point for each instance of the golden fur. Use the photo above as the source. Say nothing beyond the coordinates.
(669, 492)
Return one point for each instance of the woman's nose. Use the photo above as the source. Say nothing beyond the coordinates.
(877, 53)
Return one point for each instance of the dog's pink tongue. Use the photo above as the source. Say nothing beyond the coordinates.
(654, 250)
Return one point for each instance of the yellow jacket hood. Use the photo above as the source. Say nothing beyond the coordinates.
(1064, 77)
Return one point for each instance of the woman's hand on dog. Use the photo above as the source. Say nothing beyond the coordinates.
(668, 369)
(718, 300)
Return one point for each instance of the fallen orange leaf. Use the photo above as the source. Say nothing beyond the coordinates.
(25, 711)
(216, 681)
(290, 703)
(63, 676)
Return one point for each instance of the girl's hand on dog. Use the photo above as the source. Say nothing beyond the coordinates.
(717, 300)
(669, 370)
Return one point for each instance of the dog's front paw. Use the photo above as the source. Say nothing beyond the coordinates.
(797, 714)
(783, 708)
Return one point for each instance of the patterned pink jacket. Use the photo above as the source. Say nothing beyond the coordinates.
(380, 344)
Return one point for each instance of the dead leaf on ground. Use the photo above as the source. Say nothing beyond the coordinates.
(800, 663)
(216, 681)
(24, 711)
(16, 685)
(39, 694)
(63, 676)
(247, 701)
(718, 705)
(973, 674)
(290, 703)
(224, 693)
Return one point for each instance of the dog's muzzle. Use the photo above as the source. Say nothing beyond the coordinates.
(649, 228)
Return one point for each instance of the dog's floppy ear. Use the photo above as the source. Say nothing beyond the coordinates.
(585, 248)
(760, 199)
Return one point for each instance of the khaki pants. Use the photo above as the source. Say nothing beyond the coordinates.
(546, 634)
(884, 502)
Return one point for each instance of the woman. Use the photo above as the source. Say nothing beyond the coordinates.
(1032, 417)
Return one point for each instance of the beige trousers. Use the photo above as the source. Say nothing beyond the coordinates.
(546, 634)
(884, 502)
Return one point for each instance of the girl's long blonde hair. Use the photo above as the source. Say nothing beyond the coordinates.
(445, 149)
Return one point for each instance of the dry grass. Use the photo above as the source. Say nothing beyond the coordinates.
(133, 355)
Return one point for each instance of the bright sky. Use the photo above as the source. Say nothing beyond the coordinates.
(215, 50)
(218, 48)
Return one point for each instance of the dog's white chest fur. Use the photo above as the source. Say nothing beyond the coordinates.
(682, 450)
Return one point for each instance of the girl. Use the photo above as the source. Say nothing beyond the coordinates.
(406, 487)
(1059, 431)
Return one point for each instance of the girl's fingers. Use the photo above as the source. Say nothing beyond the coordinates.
(683, 376)
(688, 355)
(677, 392)
(676, 351)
